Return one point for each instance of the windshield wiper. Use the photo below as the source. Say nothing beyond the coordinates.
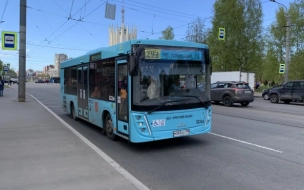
(165, 104)
(206, 104)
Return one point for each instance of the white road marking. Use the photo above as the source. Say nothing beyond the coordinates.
(139, 185)
(248, 143)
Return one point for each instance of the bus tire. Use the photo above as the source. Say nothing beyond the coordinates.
(73, 114)
(109, 127)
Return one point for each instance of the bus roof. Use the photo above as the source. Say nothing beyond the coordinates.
(125, 47)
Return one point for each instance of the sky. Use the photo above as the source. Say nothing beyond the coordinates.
(74, 27)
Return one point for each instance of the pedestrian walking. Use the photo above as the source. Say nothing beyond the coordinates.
(1, 86)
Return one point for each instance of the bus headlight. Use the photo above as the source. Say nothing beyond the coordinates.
(209, 113)
(140, 124)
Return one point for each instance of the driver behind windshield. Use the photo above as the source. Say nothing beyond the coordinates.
(175, 85)
(153, 89)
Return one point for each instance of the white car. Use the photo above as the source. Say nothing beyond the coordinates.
(14, 80)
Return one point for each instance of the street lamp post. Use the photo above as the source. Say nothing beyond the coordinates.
(287, 46)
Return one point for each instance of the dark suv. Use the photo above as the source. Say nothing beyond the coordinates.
(230, 92)
(291, 91)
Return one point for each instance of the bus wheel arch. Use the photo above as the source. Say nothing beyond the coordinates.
(73, 112)
(108, 126)
(103, 119)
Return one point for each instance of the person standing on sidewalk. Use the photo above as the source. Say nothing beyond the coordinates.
(1, 86)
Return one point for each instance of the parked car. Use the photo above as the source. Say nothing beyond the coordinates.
(230, 92)
(55, 80)
(39, 81)
(265, 93)
(291, 91)
(13, 80)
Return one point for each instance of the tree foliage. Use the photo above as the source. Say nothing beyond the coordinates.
(168, 33)
(277, 41)
(296, 67)
(243, 44)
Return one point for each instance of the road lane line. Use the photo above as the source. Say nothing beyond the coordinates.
(248, 143)
(139, 185)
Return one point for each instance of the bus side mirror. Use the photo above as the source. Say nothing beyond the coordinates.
(133, 66)
(210, 61)
(207, 57)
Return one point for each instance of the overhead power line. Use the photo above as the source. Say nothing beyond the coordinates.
(164, 9)
(60, 7)
(158, 10)
(1, 20)
(45, 16)
(61, 26)
(71, 9)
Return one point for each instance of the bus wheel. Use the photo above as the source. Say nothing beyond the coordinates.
(109, 127)
(73, 112)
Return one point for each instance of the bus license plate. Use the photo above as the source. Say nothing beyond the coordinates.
(181, 133)
(248, 92)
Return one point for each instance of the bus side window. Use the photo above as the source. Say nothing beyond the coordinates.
(122, 88)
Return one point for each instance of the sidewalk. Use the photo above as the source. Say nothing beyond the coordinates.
(39, 152)
(258, 95)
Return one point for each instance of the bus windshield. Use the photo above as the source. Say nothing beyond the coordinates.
(170, 77)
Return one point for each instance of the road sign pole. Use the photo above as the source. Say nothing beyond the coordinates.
(22, 52)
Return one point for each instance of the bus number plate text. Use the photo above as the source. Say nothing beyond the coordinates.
(152, 53)
(181, 133)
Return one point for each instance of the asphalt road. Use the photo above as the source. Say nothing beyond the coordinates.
(256, 147)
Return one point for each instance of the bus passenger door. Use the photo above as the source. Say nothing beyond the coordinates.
(122, 97)
(82, 83)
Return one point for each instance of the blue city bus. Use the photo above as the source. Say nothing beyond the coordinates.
(141, 90)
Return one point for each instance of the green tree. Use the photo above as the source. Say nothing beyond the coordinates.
(270, 67)
(242, 48)
(168, 33)
(277, 40)
(295, 13)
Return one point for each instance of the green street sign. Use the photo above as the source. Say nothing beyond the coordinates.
(221, 34)
(282, 69)
(9, 40)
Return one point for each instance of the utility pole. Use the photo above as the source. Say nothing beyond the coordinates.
(22, 52)
(287, 45)
(287, 49)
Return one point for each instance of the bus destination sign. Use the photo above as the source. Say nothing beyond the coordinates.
(96, 56)
(172, 54)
